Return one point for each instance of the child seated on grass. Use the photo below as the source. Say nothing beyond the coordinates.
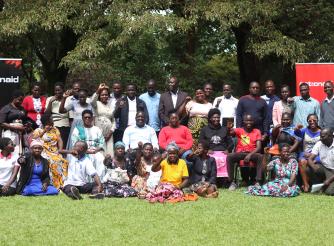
(146, 180)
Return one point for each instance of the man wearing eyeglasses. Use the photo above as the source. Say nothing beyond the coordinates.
(93, 136)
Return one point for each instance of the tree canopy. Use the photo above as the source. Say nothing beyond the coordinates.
(233, 41)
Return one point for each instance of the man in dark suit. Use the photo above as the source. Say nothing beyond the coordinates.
(171, 100)
(127, 108)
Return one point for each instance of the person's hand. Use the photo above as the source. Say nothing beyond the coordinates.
(140, 145)
(284, 188)
(229, 125)
(99, 188)
(218, 102)
(307, 155)
(277, 126)
(120, 103)
(264, 137)
(247, 158)
(67, 93)
(44, 187)
(21, 160)
(188, 98)
(299, 126)
(181, 151)
(164, 155)
(196, 152)
(5, 188)
(101, 87)
(90, 151)
(74, 152)
(270, 166)
(290, 99)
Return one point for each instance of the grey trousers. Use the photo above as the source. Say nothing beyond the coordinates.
(320, 175)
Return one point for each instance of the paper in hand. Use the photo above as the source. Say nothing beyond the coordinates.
(317, 187)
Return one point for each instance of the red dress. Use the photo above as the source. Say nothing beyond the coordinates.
(35, 107)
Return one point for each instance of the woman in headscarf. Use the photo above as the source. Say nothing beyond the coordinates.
(52, 150)
(34, 173)
(119, 173)
(173, 179)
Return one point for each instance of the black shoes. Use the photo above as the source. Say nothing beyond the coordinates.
(75, 193)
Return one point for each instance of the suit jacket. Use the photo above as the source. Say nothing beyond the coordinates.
(26, 172)
(123, 113)
(166, 105)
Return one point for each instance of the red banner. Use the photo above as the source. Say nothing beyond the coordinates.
(315, 75)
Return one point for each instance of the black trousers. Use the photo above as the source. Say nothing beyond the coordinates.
(118, 135)
(64, 133)
(10, 192)
(85, 189)
(234, 158)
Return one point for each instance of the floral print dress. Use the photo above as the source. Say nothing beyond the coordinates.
(283, 173)
(57, 164)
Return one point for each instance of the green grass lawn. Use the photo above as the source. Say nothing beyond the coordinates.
(232, 219)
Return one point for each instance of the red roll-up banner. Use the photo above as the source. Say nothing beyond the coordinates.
(315, 75)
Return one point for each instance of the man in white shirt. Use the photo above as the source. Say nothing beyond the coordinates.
(127, 107)
(79, 168)
(323, 172)
(227, 104)
(139, 133)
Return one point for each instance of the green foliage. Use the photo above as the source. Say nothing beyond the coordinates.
(203, 40)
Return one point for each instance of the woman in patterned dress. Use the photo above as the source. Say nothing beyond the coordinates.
(284, 185)
(104, 116)
(52, 149)
(197, 111)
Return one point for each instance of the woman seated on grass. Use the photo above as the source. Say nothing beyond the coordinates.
(52, 150)
(203, 172)
(284, 184)
(119, 174)
(34, 174)
(310, 136)
(174, 170)
(173, 179)
(146, 180)
(8, 167)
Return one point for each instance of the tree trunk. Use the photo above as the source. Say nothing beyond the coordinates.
(248, 63)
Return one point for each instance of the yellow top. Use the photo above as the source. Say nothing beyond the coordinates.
(173, 173)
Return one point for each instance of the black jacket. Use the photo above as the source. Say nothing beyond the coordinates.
(166, 106)
(218, 139)
(196, 171)
(123, 112)
(26, 172)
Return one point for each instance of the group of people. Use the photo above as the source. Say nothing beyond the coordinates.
(166, 147)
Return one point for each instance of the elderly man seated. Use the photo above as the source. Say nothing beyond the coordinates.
(324, 171)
